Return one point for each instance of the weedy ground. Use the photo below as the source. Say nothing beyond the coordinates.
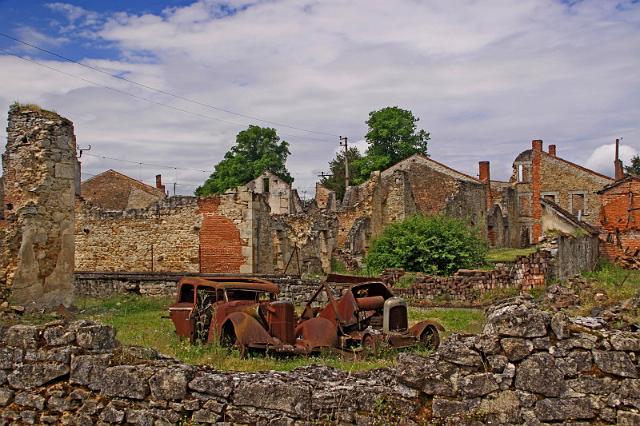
(143, 321)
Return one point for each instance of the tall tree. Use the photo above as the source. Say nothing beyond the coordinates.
(257, 149)
(634, 167)
(335, 182)
(393, 136)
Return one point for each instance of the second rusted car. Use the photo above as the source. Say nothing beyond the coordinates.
(244, 312)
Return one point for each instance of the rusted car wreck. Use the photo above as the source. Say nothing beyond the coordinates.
(244, 312)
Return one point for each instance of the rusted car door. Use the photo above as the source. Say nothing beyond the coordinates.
(180, 312)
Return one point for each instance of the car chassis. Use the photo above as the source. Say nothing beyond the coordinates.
(243, 312)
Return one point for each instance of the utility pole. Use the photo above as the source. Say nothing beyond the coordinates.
(344, 143)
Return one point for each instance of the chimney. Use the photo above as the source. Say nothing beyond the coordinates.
(552, 150)
(617, 163)
(159, 184)
(484, 172)
(536, 144)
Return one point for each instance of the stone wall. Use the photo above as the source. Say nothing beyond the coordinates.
(225, 233)
(467, 285)
(575, 255)
(527, 367)
(37, 247)
(161, 284)
(164, 237)
(559, 259)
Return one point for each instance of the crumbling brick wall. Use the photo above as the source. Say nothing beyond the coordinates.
(620, 218)
(219, 238)
(39, 188)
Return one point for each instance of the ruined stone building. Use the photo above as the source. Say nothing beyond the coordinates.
(123, 225)
(112, 190)
(544, 175)
(417, 184)
(282, 199)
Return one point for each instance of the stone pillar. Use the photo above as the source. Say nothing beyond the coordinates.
(38, 245)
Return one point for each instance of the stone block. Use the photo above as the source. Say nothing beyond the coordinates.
(125, 381)
(615, 362)
(28, 376)
(169, 384)
(539, 374)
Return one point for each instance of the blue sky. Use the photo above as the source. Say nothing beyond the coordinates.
(485, 78)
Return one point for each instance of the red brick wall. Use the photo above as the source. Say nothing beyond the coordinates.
(536, 208)
(620, 219)
(220, 242)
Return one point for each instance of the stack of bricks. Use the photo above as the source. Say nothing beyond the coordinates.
(528, 272)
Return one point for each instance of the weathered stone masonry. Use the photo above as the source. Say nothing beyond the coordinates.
(40, 169)
(527, 367)
(178, 234)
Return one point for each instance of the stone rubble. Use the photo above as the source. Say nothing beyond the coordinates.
(527, 367)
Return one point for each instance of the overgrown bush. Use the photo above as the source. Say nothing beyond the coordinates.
(434, 245)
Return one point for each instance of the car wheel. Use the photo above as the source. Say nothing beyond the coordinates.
(430, 339)
(229, 339)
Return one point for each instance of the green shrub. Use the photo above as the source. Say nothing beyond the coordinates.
(434, 245)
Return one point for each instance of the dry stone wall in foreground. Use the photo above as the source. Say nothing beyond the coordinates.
(527, 367)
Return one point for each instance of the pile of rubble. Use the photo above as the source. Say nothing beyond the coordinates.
(527, 367)
(629, 259)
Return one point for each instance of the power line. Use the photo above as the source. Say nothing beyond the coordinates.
(122, 92)
(104, 157)
(163, 91)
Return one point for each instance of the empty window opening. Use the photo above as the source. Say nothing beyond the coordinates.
(550, 197)
(265, 185)
(577, 204)
(520, 173)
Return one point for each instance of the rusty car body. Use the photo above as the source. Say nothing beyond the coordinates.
(368, 316)
(244, 312)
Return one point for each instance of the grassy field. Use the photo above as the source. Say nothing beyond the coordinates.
(139, 321)
(506, 255)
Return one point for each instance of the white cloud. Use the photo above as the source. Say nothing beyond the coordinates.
(601, 159)
(484, 77)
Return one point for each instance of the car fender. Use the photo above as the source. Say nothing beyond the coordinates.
(248, 330)
(417, 329)
(318, 332)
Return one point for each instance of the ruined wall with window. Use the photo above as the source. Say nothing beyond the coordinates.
(538, 174)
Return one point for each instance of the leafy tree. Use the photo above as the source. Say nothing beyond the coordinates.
(634, 167)
(257, 149)
(392, 137)
(335, 182)
(434, 245)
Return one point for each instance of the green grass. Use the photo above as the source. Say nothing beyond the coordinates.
(616, 283)
(506, 255)
(454, 320)
(139, 321)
